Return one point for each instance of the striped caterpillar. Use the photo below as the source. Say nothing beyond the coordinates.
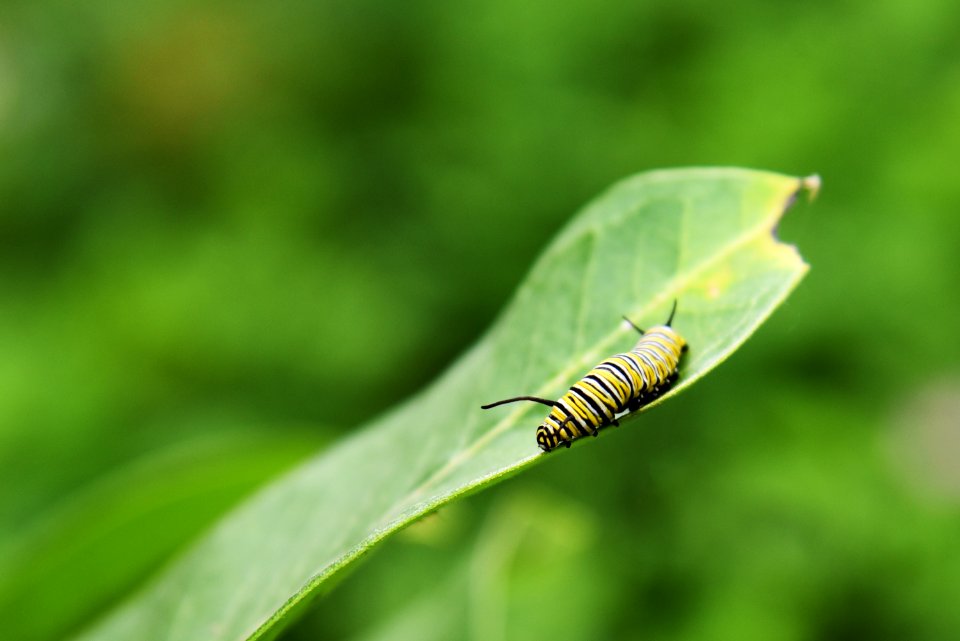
(622, 382)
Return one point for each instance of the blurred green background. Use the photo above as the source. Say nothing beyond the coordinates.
(231, 232)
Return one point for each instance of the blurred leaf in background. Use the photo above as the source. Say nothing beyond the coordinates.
(244, 221)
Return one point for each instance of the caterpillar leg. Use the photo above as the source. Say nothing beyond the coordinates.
(572, 430)
(667, 384)
(614, 422)
(662, 388)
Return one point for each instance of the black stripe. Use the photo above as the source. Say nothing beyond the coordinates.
(606, 387)
(573, 417)
(564, 413)
(665, 356)
(630, 356)
(564, 429)
(648, 354)
(661, 355)
(609, 396)
(609, 401)
(625, 377)
(597, 410)
(641, 354)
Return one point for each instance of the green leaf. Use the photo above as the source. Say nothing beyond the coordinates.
(701, 236)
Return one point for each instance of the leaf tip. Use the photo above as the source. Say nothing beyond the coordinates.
(811, 185)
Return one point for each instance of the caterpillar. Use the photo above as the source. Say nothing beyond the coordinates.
(623, 381)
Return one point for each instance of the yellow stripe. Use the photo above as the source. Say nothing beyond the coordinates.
(670, 357)
(577, 406)
(590, 416)
(662, 351)
(586, 412)
(600, 397)
(625, 366)
(648, 372)
(615, 382)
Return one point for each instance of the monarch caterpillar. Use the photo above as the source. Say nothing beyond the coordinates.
(623, 381)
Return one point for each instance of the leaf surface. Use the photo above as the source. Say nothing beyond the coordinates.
(700, 236)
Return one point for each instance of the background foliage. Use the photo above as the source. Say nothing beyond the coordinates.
(231, 232)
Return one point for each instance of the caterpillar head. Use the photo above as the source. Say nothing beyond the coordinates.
(547, 437)
(547, 434)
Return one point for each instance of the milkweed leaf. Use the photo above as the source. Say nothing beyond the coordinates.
(701, 236)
